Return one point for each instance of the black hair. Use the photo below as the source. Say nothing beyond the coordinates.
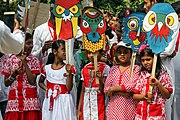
(140, 8)
(28, 36)
(55, 46)
(176, 6)
(147, 51)
(108, 32)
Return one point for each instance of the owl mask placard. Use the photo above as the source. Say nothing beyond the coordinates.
(66, 14)
(161, 25)
(93, 26)
(133, 32)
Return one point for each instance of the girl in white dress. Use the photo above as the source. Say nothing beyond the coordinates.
(58, 103)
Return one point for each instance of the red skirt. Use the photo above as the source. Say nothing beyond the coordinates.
(24, 115)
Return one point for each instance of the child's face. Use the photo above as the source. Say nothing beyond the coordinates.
(147, 62)
(124, 54)
(61, 54)
(28, 46)
(90, 56)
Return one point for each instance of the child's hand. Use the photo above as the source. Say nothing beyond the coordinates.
(98, 74)
(148, 96)
(109, 92)
(69, 68)
(153, 81)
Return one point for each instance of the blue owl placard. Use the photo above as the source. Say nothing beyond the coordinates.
(133, 32)
(161, 25)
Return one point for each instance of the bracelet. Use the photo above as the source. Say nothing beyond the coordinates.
(11, 78)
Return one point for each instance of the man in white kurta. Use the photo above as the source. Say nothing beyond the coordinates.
(10, 43)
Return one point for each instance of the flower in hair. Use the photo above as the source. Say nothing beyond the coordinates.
(143, 46)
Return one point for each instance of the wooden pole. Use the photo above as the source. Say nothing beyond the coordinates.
(153, 72)
(96, 66)
(133, 58)
(67, 53)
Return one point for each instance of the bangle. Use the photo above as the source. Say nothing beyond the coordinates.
(11, 78)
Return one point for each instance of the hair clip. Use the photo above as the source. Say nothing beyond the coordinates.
(143, 46)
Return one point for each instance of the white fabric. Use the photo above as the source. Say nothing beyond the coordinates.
(4, 91)
(63, 107)
(10, 43)
(169, 65)
(177, 85)
(90, 107)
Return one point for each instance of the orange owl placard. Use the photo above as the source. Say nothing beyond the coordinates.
(66, 14)
(93, 26)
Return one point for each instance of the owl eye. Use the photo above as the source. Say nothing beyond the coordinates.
(170, 20)
(74, 9)
(152, 19)
(60, 10)
(101, 24)
(132, 24)
(85, 24)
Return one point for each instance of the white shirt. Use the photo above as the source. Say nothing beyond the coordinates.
(10, 43)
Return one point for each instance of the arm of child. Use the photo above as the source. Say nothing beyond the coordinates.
(69, 82)
(80, 101)
(165, 93)
(41, 83)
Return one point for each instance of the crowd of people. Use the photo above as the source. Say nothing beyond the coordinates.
(36, 83)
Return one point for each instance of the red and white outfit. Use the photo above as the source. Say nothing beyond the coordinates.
(155, 110)
(121, 107)
(58, 103)
(93, 101)
(23, 101)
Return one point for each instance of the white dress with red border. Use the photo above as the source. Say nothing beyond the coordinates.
(121, 107)
(155, 110)
(58, 103)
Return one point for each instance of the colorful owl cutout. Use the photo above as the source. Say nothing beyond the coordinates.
(161, 25)
(133, 32)
(66, 14)
(93, 26)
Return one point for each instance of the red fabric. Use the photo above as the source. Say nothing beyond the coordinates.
(156, 108)
(61, 89)
(100, 95)
(22, 95)
(25, 115)
(53, 33)
(177, 43)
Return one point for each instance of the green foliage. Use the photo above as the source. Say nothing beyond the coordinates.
(7, 7)
(115, 6)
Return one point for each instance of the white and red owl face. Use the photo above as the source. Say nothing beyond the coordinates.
(161, 25)
(66, 14)
(93, 26)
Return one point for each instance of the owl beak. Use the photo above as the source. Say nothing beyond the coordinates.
(74, 21)
(160, 24)
(58, 25)
(138, 33)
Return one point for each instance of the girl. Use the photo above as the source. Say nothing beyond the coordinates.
(92, 101)
(155, 109)
(20, 74)
(58, 103)
(119, 86)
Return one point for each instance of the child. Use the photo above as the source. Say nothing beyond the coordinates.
(58, 103)
(151, 105)
(119, 86)
(20, 74)
(92, 101)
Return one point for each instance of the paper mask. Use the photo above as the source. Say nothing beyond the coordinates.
(161, 24)
(93, 26)
(133, 32)
(66, 14)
